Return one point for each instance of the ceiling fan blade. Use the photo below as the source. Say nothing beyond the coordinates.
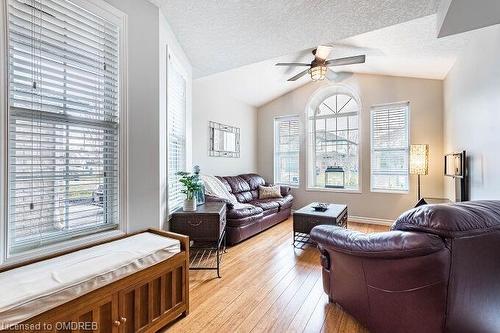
(337, 76)
(346, 61)
(322, 52)
(292, 64)
(298, 76)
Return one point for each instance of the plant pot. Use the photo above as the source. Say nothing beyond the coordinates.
(189, 205)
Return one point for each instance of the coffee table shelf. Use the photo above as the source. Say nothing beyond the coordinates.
(307, 218)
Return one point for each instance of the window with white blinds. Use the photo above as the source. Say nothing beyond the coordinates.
(176, 118)
(389, 147)
(63, 158)
(286, 150)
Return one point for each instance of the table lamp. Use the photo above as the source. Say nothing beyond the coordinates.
(419, 162)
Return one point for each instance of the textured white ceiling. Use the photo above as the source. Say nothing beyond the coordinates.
(220, 35)
(407, 49)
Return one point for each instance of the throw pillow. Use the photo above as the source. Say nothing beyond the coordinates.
(268, 192)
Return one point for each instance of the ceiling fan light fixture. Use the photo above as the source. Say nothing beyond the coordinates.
(318, 73)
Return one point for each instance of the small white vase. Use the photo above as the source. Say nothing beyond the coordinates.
(189, 205)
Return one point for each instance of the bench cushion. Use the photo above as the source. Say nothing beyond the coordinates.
(30, 290)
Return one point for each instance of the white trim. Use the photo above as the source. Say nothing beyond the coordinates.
(3, 128)
(102, 9)
(369, 220)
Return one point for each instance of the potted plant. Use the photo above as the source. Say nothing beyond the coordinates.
(191, 186)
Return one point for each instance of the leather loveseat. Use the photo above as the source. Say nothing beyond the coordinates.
(437, 270)
(243, 223)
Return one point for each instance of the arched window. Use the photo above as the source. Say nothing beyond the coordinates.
(333, 140)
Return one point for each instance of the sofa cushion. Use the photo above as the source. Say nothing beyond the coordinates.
(266, 204)
(254, 181)
(226, 184)
(239, 213)
(452, 220)
(240, 188)
(237, 184)
(244, 221)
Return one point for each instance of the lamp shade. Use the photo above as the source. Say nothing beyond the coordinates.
(419, 159)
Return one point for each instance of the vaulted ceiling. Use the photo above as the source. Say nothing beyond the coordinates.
(221, 35)
(408, 49)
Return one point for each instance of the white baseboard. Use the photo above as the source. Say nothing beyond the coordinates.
(370, 220)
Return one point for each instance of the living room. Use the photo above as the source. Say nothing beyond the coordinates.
(304, 166)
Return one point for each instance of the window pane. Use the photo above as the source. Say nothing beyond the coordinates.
(63, 169)
(335, 147)
(389, 155)
(286, 150)
(176, 133)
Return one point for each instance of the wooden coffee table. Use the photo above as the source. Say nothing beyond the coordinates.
(307, 218)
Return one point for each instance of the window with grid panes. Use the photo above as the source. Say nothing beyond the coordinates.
(63, 129)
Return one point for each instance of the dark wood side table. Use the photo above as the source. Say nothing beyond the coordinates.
(307, 218)
(206, 228)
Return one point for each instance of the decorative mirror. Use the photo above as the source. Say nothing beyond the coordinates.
(224, 140)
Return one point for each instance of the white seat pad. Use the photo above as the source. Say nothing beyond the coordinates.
(33, 289)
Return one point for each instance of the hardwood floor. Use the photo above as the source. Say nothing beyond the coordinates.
(267, 286)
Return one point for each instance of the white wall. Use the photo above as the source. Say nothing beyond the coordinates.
(426, 123)
(472, 112)
(212, 103)
(148, 36)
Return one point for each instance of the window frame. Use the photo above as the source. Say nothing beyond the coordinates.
(315, 100)
(103, 9)
(172, 60)
(275, 132)
(408, 127)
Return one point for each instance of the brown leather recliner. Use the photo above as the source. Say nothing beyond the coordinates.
(437, 270)
(243, 223)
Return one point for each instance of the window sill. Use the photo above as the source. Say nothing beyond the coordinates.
(290, 186)
(335, 190)
(54, 249)
(390, 191)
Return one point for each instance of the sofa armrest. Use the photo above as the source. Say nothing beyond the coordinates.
(210, 198)
(285, 190)
(391, 244)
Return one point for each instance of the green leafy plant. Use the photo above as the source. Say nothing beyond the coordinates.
(190, 183)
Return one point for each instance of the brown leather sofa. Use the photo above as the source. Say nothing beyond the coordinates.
(243, 223)
(437, 270)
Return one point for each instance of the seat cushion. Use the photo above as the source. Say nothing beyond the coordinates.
(266, 204)
(240, 213)
(33, 289)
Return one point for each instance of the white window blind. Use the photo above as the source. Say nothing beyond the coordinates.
(286, 150)
(389, 147)
(63, 123)
(176, 104)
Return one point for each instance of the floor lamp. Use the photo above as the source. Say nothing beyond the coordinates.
(419, 163)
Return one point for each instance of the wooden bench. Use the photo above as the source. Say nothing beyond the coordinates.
(143, 301)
